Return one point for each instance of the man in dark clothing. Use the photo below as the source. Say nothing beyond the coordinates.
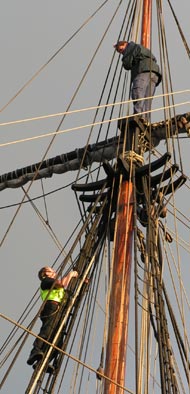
(145, 74)
(53, 292)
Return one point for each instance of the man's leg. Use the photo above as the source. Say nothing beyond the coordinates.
(150, 90)
(139, 88)
(48, 317)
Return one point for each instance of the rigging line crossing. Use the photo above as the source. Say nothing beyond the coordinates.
(183, 351)
(169, 304)
(68, 329)
(95, 116)
(113, 79)
(65, 353)
(179, 308)
(181, 241)
(156, 153)
(89, 316)
(48, 193)
(36, 292)
(176, 327)
(78, 264)
(180, 275)
(45, 202)
(57, 132)
(50, 144)
(62, 322)
(46, 225)
(165, 66)
(23, 316)
(59, 189)
(171, 212)
(173, 282)
(96, 51)
(149, 290)
(161, 326)
(138, 361)
(180, 213)
(83, 78)
(52, 57)
(70, 350)
(168, 201)
(166, 369)
(88, 109)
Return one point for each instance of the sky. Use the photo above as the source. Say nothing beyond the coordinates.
(30, 34)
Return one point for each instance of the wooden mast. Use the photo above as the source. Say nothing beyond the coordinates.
(116, 351)
(146, 23)
(119, 298)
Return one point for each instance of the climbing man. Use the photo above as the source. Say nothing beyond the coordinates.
(53, 292)
(145, 74)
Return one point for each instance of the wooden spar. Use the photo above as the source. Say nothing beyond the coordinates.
(119, 297)
(116, 351)
(146, 23)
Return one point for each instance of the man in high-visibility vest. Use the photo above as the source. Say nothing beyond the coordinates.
(53, 292)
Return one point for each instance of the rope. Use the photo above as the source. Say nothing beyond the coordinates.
(52, 57)
(63, 352)
(25, 120)
(134, 157)
(131, 158)
(54, 133)
(180, 30)
(46, 225)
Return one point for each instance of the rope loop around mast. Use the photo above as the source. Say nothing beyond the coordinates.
(133, 156)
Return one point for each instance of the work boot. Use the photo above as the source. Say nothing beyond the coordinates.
(49, 369)
(35, 355)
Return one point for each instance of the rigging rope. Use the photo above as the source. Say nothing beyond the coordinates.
(147, 201)
(64, 353)
(52, 57)
(58, 132)
(60, 123)
(71, 112)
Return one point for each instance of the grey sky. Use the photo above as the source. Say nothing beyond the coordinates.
(30, 33)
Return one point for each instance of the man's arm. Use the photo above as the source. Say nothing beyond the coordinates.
(131, 55)
(47, 283)
(66, 279)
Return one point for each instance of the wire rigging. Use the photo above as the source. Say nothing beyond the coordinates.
(98, 223)
(52, 57)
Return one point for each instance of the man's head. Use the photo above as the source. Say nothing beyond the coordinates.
(120, 46)
(46, 272)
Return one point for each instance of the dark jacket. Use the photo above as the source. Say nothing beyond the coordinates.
(47, 283)
(139, 60)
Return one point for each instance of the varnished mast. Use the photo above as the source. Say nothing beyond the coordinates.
(120, 291)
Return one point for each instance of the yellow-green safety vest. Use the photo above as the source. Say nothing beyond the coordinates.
(54, 294)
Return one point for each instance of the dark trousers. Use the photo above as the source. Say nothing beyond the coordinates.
(50, 318)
